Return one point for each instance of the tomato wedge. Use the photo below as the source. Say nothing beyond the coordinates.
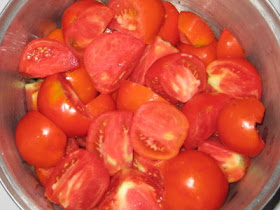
(43, 57)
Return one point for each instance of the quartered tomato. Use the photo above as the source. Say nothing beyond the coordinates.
(37, 138)
(83, 21)
(110, 58)
(177, 77)
(79, 181)
(43, 57)
(237, 126)
(108, 137)
(101, 104)
(158, 130)
(131, 189)
(236, 77)
(59, 103)
(141, 19)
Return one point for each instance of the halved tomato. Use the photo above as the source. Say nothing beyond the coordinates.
(79, 181)
(43, 57)
(101, 104)
(158, 130)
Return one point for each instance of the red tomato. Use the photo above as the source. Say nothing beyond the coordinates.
(110, 58)
(79, 181)
(83, 21)
(228, 46)
(82, 84)
(37, 138)
(169, 28)
(131, 189)
(193, 180)
(154, 51)
(101, 104)
(44, 174)
(31, 93)
(158, 130)
(58, 102)
(207, 53)
(132, 95)
(202, 111)
(177, 77)
(72, 145)
(195, 29)
(234, 76)
(43, 57)
(236, 126)
(141, 19)
(108, 137)
(56, 34)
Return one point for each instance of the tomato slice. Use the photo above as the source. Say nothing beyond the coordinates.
(177, 77)
(108, 137)
(82, 22)
(43, 57)
(158, 130)
(236, 126)
(141, 19)
(110, 58)
(131, 189)
(236, 77)
(154, 51)
(79, 181)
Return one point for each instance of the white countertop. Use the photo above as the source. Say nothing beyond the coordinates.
(5, 201)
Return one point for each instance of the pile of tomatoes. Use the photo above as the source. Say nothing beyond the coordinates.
(135, 105)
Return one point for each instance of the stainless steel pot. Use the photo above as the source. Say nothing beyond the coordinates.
(254, 22)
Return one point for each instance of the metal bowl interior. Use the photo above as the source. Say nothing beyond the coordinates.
(255, 23)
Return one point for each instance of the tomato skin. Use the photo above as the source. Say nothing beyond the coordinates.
(236, 126)
(141, 19)
(43, 57)
(44, 174)
(193, 180)
(34, 135)
(79, 181)
(56, 34)
(158, 142)
(31, 93)
(58, 102)
(236, 77)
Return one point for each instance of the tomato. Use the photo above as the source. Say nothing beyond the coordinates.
(37, 138)
(44, 174)
(82, 22)
(132, 95)
(154, 51)
(158, 130)
(82, 84)
(236, 126)
(207, 53)
(141, 19)
(56, 34)
(108, 137)
(31, 93)
(193, 180)
(110, 58)
(202, 111)
(58, 102)
(233, 165)
(131, 189)
(195, 29)
(72, 145)
(234, 76)
(229, 46)
(43, 57)
(177, 77)
(169, 28)
(79, 181)
(101, 104)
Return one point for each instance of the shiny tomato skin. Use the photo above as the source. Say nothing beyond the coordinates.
(141, 19)
(37, 138)
(43, 57)
(236, 77)
(122, 50)
(79, 181)
(202, 111)
(58, 102)
(193, 180)
(158, 130)
(177, 77)
(237, 126)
